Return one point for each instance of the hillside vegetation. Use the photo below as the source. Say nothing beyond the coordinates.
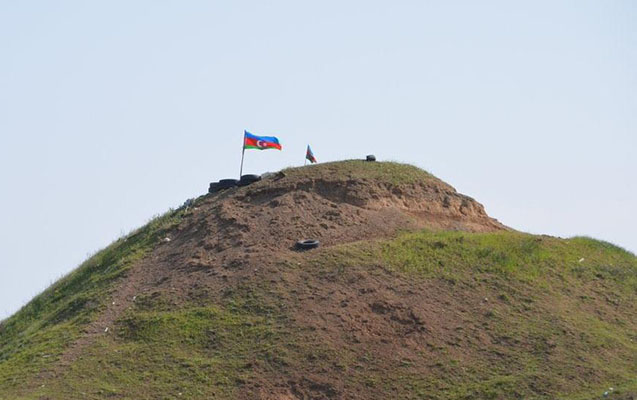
(415, 294)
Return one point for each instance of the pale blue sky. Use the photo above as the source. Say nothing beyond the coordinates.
(111, 112)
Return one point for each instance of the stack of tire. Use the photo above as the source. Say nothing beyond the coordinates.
(224, 184)
(248, 179)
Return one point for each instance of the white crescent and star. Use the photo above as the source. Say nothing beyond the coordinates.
(261, 144)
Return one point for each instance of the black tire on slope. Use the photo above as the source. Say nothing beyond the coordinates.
(214, 187)
(227, 183)
(307, 244)
(248, 179)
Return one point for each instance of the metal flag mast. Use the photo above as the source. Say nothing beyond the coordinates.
(243, 151)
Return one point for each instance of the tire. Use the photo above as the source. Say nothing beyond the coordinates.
(227, 183)
(370, 157)
(214, 187)
(307, 244)
(248, 179)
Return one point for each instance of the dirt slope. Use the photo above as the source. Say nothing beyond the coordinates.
(243, 227)
(213, 302)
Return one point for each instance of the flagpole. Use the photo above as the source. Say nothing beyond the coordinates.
(243, 151)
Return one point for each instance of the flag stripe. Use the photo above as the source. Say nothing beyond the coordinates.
(251, 141)
(271, 146)
(272, 139)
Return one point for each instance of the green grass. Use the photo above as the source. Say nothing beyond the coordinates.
(570, 304)
(202, 351)
(32, 340)
(381, 172)
(560, 322)
(512, 255)
(199, 351)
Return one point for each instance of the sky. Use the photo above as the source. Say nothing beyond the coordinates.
(113, 112)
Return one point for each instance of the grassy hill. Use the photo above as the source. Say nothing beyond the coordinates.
(415, 294)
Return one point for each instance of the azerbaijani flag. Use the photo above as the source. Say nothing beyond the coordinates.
(309, 155)
(251, 141)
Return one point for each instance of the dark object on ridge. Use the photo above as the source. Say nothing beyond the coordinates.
(307, 244)
(214, 187)
(227, 183)
(248, 179)
(370, 157)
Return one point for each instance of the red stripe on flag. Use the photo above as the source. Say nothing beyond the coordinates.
(260, 144)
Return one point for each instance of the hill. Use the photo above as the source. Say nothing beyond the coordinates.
(415, 293)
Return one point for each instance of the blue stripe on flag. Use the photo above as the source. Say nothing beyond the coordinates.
(271, 139)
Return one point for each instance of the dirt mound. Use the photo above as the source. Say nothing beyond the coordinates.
(213, 302)
(323, 203)
(225, 237)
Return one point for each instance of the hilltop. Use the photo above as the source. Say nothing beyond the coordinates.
(415, 293)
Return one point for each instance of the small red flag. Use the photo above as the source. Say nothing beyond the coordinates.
(309, 155)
